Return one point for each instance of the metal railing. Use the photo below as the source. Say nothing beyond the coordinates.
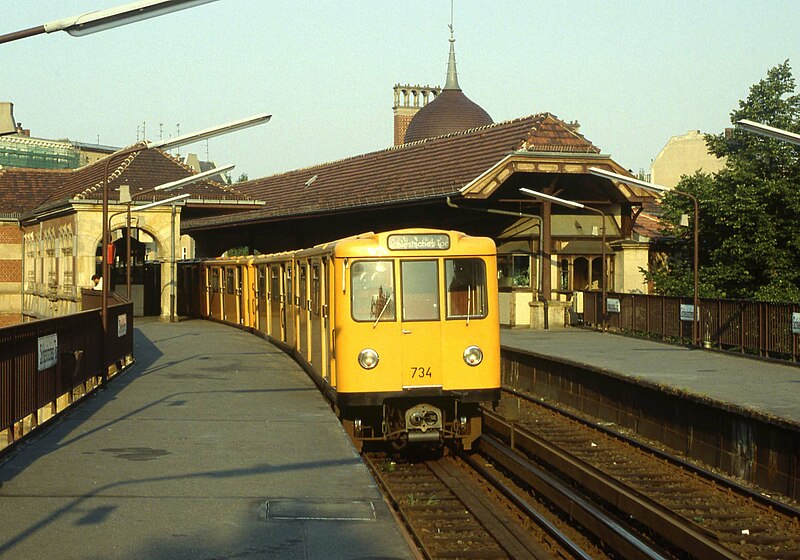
(46, 365)
(750, 327)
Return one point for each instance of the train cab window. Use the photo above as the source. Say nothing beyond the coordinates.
(372, 289)
(229, 276)
(420, 289)
(466, 288)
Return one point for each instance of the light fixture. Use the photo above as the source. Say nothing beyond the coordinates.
(769, 131)
(100, 20)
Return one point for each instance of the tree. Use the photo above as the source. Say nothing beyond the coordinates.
(749, 211)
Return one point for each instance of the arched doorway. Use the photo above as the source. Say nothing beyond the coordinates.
(145, 270)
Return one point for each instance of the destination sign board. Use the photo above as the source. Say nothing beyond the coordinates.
(419, 242)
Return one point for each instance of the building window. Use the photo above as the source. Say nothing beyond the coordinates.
(514, 270)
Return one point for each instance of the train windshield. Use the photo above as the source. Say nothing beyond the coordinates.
(372, 291)
(466, 288)
(420, 290)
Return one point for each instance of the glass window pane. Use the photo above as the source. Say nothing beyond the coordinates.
(466, 287)
(420, 290)
(372, 289)
(229, 281)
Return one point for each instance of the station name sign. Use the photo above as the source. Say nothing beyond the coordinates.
(47, 351)
(419, 242)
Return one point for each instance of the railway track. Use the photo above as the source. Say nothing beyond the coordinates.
(451, 511)
(689, 511)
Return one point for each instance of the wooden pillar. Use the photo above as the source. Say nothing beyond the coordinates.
(545, 251)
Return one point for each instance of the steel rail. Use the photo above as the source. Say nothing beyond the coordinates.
(754, 495)
(652, 515)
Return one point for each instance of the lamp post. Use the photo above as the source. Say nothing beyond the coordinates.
(660, 190)
(573, 204)
(146, 145)
(100, 20)
(769, 131)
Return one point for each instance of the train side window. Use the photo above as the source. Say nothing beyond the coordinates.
(420, 289)
(229, 281)
(262, 282)
(215, 279)
(276, 283)
(466, 288)
(315, 288)
(372, 289)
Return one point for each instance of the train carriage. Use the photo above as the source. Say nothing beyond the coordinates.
(400, 328)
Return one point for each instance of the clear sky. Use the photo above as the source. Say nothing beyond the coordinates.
(633, 73)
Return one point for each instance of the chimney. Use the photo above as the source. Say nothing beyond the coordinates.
(408, 100)
(7, 123)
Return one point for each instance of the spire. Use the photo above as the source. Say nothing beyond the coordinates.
(452, 76)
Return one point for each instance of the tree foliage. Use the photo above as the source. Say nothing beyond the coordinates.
(749, 211)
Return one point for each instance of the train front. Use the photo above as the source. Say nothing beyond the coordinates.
(416, 338)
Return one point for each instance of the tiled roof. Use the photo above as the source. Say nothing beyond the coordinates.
(430, 168)
(141, 171)
(22, 190)
(26, 191)
(647, 225)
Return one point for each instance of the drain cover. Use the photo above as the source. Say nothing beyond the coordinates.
(319, 510)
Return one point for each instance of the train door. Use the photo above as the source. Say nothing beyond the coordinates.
(229, 295)
(302, 309)
(215, 298)
(260, 288)
(420, 323)
(288, 304)
(276, 325)
(317, 327)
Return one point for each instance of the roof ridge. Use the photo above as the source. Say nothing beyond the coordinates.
(399, 147)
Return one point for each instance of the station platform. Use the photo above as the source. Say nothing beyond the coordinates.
(738, 382)
(215, 444)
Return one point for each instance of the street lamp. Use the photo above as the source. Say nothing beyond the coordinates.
(660, 190)
(573, 204)
(163, 187)
(92, 22)
(769, 131)
(146, 145)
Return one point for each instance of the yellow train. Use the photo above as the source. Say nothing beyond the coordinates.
(400, 329)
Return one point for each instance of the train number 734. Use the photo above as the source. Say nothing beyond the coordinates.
(420, 372)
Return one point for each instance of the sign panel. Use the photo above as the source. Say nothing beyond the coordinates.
(612, 305)
(419, 242)
(687, 312)
(48, 351)
(122, 325)
(796, 323)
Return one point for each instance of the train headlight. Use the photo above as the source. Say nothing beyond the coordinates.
(473, 356)
(368, 358)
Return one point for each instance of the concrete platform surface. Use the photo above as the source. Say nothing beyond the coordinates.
(765, 387)
(213, 445)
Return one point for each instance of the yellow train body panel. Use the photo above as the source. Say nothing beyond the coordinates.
(401, 328)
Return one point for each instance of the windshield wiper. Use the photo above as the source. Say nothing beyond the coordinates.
(385, 305)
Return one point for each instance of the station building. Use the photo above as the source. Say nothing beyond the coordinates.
(457, 169)
(51, 229)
